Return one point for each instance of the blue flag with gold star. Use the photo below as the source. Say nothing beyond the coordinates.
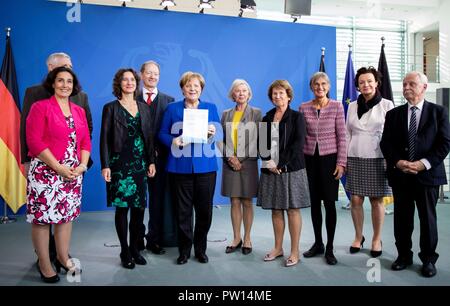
(350, 94)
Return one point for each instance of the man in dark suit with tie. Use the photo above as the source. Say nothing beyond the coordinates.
(157, 186)
(36, 93)
(415, 142)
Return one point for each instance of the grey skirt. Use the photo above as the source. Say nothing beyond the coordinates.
(367, 177)
(240, 184)
(284, 191)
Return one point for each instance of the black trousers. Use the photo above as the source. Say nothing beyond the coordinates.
(193, 192)
(406, 193)
(157, 190)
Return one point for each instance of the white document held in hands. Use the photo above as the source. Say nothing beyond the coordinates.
(195, 125)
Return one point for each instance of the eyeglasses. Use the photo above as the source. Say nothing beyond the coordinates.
(149, 73)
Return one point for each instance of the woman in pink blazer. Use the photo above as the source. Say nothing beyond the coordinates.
(59, 146)
(326, 159)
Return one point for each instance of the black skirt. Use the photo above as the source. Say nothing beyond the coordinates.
(320, 169)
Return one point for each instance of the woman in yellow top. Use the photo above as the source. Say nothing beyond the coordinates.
(240, 167)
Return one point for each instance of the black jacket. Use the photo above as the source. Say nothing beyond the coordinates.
(432, 143)
(114, 131)
(157, 109)
(292, 132)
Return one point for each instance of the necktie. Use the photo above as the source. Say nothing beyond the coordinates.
(149, 98)
(412, 134)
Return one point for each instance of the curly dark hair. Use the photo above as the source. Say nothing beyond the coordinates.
(365, 70)
(117, 89)
(51, 77)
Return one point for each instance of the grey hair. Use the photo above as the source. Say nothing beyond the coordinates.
(317, 76)
(52, 57)
(235, 84)
(422, 77)
(148, 63)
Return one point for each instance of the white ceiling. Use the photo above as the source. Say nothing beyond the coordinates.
(380, 9)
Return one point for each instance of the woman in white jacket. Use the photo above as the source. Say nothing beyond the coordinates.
(366, 167)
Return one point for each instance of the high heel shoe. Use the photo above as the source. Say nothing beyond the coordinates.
(126, 260)
(354, 250)
(375, 254)
(138, 259)
(231, 249)
(51, 280)
(74, 270)
(246, 250)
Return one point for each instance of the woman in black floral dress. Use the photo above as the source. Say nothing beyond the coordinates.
(127, 155)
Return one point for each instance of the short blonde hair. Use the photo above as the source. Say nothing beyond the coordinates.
(283, 84)
(235, 84)
(189, 75)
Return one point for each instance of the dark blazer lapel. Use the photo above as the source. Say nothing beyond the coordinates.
(424, 116)
(118, 115)
(404, 120)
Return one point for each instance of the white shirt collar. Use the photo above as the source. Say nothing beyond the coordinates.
(145, 91)
(418, 105)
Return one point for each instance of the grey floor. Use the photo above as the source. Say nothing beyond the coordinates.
(94, 238)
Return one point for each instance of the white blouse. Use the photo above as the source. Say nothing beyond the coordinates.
(364, 135)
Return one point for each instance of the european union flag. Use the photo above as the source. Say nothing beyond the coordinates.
(350, 94)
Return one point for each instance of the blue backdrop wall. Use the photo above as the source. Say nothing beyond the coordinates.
(221, 48)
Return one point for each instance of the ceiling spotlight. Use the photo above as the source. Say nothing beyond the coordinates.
(248, 6)
(295, 17)
(124, 2)
(205, 4)
(167, 3)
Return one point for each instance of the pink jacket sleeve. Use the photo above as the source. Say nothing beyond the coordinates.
(341, 137)
(85, 143)
(35, 127)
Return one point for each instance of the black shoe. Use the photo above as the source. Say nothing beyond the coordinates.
(316, 249)
(376, 253)
(246, 250)
(51, 279)
(139, 259)
(429, 270)
(182, 259)
(202, 258)
(354, 250)
(126, 260)
(401, 264)
(74, 270)
(230, 249)
(330, 259)
(155, 248)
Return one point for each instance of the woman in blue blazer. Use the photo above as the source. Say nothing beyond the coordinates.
(192, 168)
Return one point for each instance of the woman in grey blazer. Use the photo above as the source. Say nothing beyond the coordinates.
(240, 167)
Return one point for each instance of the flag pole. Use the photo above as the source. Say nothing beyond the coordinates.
(5, 219)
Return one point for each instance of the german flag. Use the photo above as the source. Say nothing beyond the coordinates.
(12, 173)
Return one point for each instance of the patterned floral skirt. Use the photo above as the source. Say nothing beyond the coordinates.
(50, 199)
